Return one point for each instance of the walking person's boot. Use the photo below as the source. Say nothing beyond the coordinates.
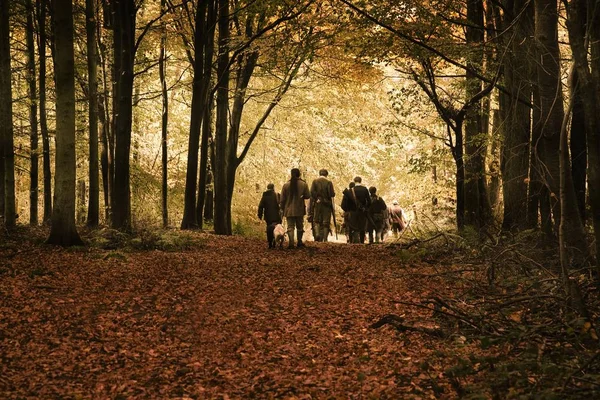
(300, 244)
(324, 234)
(290, 234)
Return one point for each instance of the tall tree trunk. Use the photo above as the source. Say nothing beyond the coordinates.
(222, 201)
(476, 206)
(190, 221)
(165, 119)
(124, 50)
(578, 146)
(94, 196)
(551, 112)
(107, 137)
(537, 206)
(41, 11)
(33, 121)
(515, 114)
(208, 112)
(6, 122)
(555, 128)
(63, 231)
(494, 165)
(458, 155)
(589, 82)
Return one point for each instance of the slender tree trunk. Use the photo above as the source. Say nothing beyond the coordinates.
(552, 112)
(94, 196)
(515, 114)
(208, 112)
(107, 138)
(494, 165)
(476, 211)
(578, 146)
(33, 121)
(6, 122)
(535, 185)
(165, 120)
(63, 231)
(124, 49)
(190, 221)
(222, 201)
(458, 155)
(41, 11)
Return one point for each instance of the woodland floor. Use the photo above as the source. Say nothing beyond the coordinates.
(226, 319)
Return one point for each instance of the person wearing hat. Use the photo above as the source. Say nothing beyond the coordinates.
(397, 219)
(269, 208)
(321, 205)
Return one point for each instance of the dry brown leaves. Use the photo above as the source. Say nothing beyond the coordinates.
(228, 320)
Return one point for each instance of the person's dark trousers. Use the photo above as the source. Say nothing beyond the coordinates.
(270, 234)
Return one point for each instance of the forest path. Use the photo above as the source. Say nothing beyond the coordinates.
(230, 319)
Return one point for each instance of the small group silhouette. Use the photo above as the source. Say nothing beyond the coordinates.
(363, 211)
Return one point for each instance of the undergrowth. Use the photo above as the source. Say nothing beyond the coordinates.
(510, 301)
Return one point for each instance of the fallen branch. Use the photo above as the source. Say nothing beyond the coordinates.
(398, 323)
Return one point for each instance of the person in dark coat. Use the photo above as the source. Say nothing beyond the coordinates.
(292, 203)
(321, 205)
(376, 216)
(348, 205)
(358, 218)
(269, 208)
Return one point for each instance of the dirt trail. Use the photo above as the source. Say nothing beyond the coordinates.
(227, 320)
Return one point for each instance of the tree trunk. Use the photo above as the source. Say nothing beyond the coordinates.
(33, 121)
(190, 220)
(589, 82)
(222, 201)
(458, 155)
(566, 213)
(6, 122)
(124, 51)
(476, 206)
(164, 121)
(578, 146)
(515, 115)
(551, 112)
(494, 165)
(42, 6)
(207, 119)
(63, 231)
(537, 207)
(94, 196)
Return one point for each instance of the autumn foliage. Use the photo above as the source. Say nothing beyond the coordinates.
(222, 317)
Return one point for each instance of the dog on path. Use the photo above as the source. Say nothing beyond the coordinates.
(279, 235)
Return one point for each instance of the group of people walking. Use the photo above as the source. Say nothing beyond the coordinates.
(364, 211)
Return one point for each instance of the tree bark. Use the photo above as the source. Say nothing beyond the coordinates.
(63, 230)
(222, 201)
(124, 51)
(92, 64)
(33, 121)
(41, 11)
(6, 121)
(208, 112)
(515, 113)
(551, 111)
(589, 82)
(578, 146)
(164, 121)
(199, 89)
(477, 209)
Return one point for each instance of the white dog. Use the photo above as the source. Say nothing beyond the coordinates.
(279, 234)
